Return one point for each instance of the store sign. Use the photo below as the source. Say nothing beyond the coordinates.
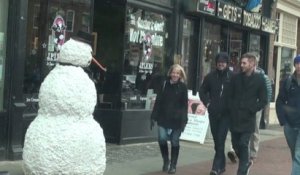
(207, 6)
(229, 12)
(143, 28)
(252, 20)
(203, 6)
(269, 25)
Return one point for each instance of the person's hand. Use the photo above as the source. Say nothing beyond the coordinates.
(152, 123)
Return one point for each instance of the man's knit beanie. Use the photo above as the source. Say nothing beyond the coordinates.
(222, 57)
(297, 59)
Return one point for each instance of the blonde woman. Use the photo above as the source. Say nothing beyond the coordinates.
(170, 113)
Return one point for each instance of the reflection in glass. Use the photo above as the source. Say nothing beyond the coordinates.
(286, 64)
(145, 37)
(212, 46)
(50, 24)
(188, 50)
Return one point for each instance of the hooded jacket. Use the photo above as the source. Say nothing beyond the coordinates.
(215, 92)
(288, 102)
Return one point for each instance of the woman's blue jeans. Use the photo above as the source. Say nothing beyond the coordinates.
(292, 136)
(165, 134)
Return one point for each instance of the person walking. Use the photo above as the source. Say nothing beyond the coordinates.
(288, 113)
(170, 113)
(214, 92)
(248, 95)
(254, 139)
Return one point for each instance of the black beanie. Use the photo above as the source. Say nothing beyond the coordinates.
(222, 56)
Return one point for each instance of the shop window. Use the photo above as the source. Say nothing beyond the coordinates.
(145, 52)
(289, 29)
(70, 20)
(236, 49)
(254, 46)
(286, 64)
(3, 35)
(188, 50)
(36, 11)
(212, 46)
(50, 24)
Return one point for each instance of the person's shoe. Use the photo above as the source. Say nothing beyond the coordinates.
(232, 156)
(253, 159)
(172, 169)
(165, 167)
(213, 172)
(222, 171)
(249, 166)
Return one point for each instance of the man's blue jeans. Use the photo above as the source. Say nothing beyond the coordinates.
(292, 136)
(165, 134)
(240, 143)
(219, 129)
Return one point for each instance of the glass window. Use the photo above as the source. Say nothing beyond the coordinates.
(236, 48)
(212, 46)
(50, 24)
(145, 52)
(286, 64)
(188, 50)
(254, 46)
(3, 34)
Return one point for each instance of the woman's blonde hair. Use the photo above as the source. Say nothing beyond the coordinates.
(180, 68)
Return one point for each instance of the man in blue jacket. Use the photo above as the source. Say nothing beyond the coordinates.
(288, 113)
(248, 95)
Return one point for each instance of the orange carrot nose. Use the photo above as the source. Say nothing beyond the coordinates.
(99, 65)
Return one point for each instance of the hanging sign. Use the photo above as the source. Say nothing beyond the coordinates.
(229, 12)
(203, 6)
(269, 25)
(252, 20)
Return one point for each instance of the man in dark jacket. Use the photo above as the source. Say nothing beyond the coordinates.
(214, 95)
(248, 95)
(288, 113)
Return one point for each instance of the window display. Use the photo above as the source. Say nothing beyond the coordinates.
(212, 46)
(50, 24)
(145, 43)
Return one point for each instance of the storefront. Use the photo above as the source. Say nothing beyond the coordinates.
(136, 46)
(213, 26)
(286, 46)
(135, 41)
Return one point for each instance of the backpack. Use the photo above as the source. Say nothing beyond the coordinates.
(288, 83)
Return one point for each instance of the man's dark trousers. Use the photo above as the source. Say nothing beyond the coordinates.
(240, 143)
(219, 128)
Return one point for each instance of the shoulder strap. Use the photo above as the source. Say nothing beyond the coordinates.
(288, 83)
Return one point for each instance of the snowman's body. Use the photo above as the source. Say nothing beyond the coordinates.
(64, 138)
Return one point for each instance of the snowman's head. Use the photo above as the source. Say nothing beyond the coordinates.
(76, 52)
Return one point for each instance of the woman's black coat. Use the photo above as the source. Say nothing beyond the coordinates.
(170, 108)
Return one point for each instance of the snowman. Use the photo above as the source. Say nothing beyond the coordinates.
(64, 138)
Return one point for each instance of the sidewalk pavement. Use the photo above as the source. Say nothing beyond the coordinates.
(194, 158)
